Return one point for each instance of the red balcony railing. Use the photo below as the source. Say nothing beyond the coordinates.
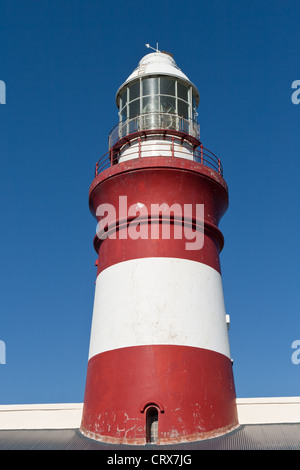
(169, 147)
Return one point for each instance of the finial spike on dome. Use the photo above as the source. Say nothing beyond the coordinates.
(150, 47)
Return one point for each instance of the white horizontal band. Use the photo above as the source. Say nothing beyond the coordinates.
(159, 301)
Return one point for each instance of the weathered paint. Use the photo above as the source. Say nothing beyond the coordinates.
(159, 301)
(172, 181)
(192, 387)
(159, 333)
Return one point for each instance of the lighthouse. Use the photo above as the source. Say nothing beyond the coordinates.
(159, 367)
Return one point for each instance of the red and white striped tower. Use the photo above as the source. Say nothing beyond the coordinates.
(159, 366)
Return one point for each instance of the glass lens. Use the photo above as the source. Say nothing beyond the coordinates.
(123, 99)
(134, 108)
(167, 104)
(134, 91)
(150, 104)
(167, 86)
(182, 91)
(183, 109)
(150, 86)
(124, 114)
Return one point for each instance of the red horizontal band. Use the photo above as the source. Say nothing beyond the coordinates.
(193, 386)
(116, 251)
(149, 185)
(160, 181)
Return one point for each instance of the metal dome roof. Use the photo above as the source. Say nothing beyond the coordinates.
(157, 63)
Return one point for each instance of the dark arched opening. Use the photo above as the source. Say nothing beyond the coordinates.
(151, 425)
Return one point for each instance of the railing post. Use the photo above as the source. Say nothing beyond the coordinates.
(139, 139)
(201, 153)
(172, 147)
(96, 170)
(219, 166)
(111, 157)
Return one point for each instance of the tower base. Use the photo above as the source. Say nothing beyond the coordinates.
(158, 394)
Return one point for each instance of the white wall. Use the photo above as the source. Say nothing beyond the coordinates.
(268, 410)
(52, 416)
(68, 415)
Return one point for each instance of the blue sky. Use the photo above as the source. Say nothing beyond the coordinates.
(62, 62)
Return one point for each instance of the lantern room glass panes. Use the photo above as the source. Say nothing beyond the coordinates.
(167, 86)
(134, 91)
(167, 104)
(194, 108)
(124, 114)
(150, 104)
(183, 109)
(150, 86)
(160, 96)
(134, 108)
(182, 91)
(123, 99)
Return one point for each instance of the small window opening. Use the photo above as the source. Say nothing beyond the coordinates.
(151, 425)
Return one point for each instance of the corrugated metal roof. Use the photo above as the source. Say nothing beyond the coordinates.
(246, 437)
